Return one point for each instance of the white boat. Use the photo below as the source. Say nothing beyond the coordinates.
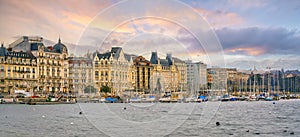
(191, 99)
(165, 99)
(148, 98)
(135, 100)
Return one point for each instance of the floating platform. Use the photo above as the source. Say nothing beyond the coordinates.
(49, 103)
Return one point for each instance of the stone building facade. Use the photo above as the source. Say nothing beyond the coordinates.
(18, 72)
(52, 63)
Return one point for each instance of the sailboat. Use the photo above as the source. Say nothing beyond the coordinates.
(251, 97)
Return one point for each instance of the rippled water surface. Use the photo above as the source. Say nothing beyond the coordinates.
(160, 119)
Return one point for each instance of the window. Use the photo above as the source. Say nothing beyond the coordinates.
(1, 68)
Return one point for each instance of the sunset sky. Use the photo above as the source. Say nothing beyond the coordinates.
(261, 33)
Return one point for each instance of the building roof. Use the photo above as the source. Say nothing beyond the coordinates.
(79, 60)
(59, 47)
(21, 54)
(115, 51)
(3, 50)
(104, 55)
(164, 62)
(177, 60)
(6, 53)
(154, 58)
(130, 56)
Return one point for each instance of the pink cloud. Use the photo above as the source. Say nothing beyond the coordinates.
(47, 18)
(253, 50)
(220, 19)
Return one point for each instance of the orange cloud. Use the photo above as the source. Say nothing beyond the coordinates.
(254, 51)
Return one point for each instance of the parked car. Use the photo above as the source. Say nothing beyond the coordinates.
(1, 96)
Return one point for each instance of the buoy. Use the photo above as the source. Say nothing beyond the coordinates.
(43, 115)
(218, 123)
(80, 113)
(71, 123)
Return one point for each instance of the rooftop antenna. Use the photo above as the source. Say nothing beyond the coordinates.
(59, 41)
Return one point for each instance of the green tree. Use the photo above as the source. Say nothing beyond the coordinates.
(90, 89)
(105, 89)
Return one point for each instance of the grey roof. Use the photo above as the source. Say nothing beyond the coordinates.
(21, 55)
(164, 62)
(129, 56)
(104, 55)
(177, 60)
(116, 52)
(79, 60)
(59, 47)
(154, 58)
(3, 51)
(34, 46)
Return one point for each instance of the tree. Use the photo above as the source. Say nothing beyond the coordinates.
(90, 89)
(105, 89)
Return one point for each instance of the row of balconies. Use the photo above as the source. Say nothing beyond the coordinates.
(49, 63)
(53, 77)
(48, 57)
(23, 71)
(21, 63)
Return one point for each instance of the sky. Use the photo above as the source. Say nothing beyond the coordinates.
(233, 33)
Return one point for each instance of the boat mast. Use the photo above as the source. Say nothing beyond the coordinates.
(278, 84)
(283, 81)
(254, 90)
(242, 81)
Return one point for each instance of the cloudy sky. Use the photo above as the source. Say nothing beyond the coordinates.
(261, 33)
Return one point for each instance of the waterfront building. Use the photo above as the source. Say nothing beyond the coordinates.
(80, 75)
(165, 76)
(142, 73)
(231, 80)
(196, 76)
(52, 63)
(182, 69)
(18, 72)
(217, 80)
(241, 78)
(113, 69)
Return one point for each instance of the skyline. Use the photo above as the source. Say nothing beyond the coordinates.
(262, 33)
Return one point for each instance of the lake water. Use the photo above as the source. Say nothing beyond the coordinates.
(152, 119)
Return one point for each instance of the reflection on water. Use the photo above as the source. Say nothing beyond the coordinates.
(191, 119)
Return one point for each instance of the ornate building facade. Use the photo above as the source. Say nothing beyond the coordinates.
(18, 72)
(217, 80)
(165, 75)
(113, 69)
(52, 63)
(142, 74)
